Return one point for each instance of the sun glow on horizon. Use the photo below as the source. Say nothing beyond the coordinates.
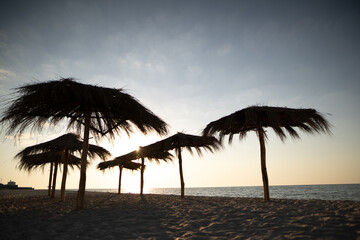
(130, 179)
(135, 190)
(124, 144)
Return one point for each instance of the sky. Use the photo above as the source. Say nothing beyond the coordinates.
(193, 62)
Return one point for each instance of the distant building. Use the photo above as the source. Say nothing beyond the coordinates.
(9, 185)
(12, 185)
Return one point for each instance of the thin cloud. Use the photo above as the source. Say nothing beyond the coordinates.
(5, 74)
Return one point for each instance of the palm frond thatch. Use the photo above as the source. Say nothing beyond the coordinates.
(280, 119)
(111, 109)
(130, 165)
(102, 111)
(66, 144)
(124, 159)
(125, 163)
(188, 141)
(70, 142)
(180, 140)
(33, 161)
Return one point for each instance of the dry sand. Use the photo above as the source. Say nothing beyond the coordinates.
(30, 214)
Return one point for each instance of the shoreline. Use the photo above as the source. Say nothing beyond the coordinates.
(32, 214)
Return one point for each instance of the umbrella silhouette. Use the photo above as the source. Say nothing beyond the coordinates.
(142, 153)
(181, 140)
(102, 111)
(127, 164)
(280, 119)
(32, 161)
(66, 144)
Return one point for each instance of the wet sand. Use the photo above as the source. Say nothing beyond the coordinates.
(31, 214)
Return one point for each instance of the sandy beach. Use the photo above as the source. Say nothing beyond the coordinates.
(31, 214)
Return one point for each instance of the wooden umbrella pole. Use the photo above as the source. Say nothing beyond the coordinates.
(50, 178)
(142, 176)
(63, 182)
(181, 174)
(80, 202)
(54, 181)
(120, 173)
(263, 164)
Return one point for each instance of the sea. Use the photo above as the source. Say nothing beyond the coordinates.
(322, 192)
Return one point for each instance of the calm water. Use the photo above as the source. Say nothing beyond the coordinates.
(323, 192)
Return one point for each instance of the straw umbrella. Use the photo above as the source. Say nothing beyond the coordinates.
(30, 162)
(123, 163)
(102, 111)
(188, 141)
(67, 143)
(142, 153)
(280, 119)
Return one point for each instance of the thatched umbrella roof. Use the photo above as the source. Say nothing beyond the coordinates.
(125, 161)
(130, 165)
(180, 140)
(54, 157)
(127, 158)
(65, 144)
(142, 153)
(32, 161)
(70, 142)
(112, 110)
(159, 150)
(187, 141)
(280, 119)
(102, 111)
